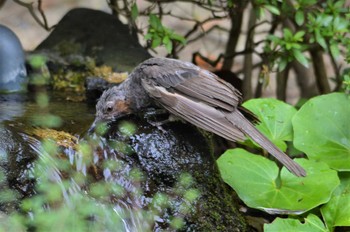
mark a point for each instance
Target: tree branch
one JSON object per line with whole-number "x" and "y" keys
{"x": 248, "y": 58}
{"x": 320, "y": 71}
{"x": 236, "y": 15}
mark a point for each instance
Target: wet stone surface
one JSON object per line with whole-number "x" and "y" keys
{"x": 17, "y": 158}
{"x": 174, "y": 161}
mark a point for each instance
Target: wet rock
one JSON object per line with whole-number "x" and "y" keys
{"x": 98, "y": 35}
{"x": 16, "y": 164}
{"x": 88, "y": 43}
{"x": 176, "y": 161}
{"x": 13, "y": 74}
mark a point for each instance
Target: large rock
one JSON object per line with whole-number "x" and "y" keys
{"x": 98, "y": 35}
{"x": 176, "y": 161}
{"x": 13, "y": 75}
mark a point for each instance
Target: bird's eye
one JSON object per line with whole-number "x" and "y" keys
{"x": 109, "y": 106}
{"x": 109, "y": 109}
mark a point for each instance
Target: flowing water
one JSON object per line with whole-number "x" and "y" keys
{"x": 23, "y": 155}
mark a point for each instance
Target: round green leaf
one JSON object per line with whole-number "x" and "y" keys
{"x": 256, "y": 181}
{"x": 275, "y": 117}
{"x": 337, "y": 211}
{"x": 312, "y": 224}
{"x": 322, "y": 130}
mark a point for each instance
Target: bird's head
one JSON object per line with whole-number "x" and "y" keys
{"x": 113, "y": 104}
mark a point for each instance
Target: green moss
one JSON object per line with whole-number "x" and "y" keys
{"x": 217, "y": 209}
{"x": 68, "y": 48}
{"x": 209, "y": 137}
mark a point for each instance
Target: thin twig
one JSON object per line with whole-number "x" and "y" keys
{"x": 42, "y": 22}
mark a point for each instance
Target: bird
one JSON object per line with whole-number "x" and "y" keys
{"x": 190, "y": 93}
{"x": 13, "y": 73}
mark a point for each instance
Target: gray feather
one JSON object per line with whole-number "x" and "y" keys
{"x": 249, "y": 129}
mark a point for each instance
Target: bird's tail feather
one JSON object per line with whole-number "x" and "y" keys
{"x": 249, "y": 129}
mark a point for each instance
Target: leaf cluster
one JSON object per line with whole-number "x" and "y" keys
{"x": 161, "y": 35}
{"x": 320, "y": 130}
{"x": 312, "y": 25}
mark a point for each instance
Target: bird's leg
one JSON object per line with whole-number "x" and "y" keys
{"x": 152, "y": 116}
{"x": 158, "y": 124}
{"x": 153, "y": 113}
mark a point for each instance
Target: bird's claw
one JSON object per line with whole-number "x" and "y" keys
{"x": 158, "y": 124}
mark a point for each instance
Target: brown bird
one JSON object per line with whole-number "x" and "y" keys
{"x": 190, "y": 93}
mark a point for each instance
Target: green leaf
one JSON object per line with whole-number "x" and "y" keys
{"x": 273, "y": 9}
{"x": 289, "y": 45}
{"x": 134, "y": 11}
{"x": 121, "y": 147}
{"x": 37, "y": 61}
{"x": 154, "y": 22}
{"x": 179, "y": 38}
{"x": 156, "y": 41}
{"x": 262, "y": 13}
{"x": 322, "y": 130}
{"x": 148, "y": 36}
{"x": 299, "y": 36}
{"x": 320, "y": 40}
{"x": 254, "y": 178}
{"x": 177, "y": 223}
{"x": 337, "y": 211}
{"x": 299, "y": 17}
{"x": 340, "y": 24}
{"x": 334, "y": 50}
{"x": 13, "y": 222}
{"x": 296, "y": 46}
{"x": 282, "y": 64}
{"x": 166, "y": 40}
{"x": 312, "y": 224}
{"x": 299, "y": 56}
{"x": 275, "y": 117}
{"x": 127, "y": 128}
{"x": 325, "y": 19}
{"x": 339, "y": 4}
{"x": 101, "y": 128}
{"x": 288, "y": 35}
{"x": 309, "y": 2}
{"x": 169, "y": 47}
{"x": 168, "y": 44}
{"x": 192, "y": 194}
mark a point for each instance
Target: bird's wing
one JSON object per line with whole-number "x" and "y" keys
{"x": 196, "y": 113}
{"x": 191, "y": 81}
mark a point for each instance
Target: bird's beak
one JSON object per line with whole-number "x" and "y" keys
{"x": 97, "y": 126}
{"x": 93, "y": 126}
